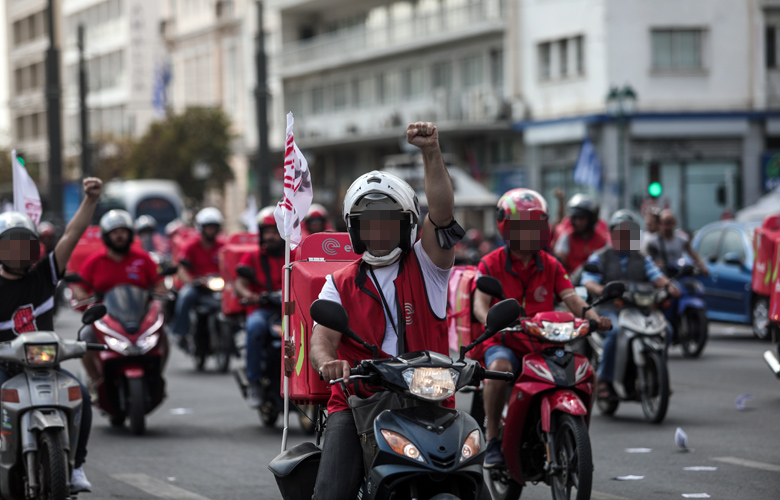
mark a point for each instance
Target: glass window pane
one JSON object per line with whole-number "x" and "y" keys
{"x": 662, "y": 49}
{"x": 317, "y": 100}
{"x": 339, "y": 96}
{"x": 687, "y": 49}
{"x": 708, "y": 246}
{"x": 544, "y": 61}
{"x": 563, "y": 58}
{"x": 580, "y": 47}
{"x": 471, "y": 69}
{"x": 497, "y": 68}
{"x": 706, "y": 180}
{"x": 441, "y": 75}
{"x": 731, "y": 243}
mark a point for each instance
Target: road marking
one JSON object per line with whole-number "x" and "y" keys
{"x": 156, "y": 487}
{"x": 748, "y": 463}
{"x": 600, "y": 495}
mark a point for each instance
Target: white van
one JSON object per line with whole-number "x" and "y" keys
{"x": 161, "y": 198}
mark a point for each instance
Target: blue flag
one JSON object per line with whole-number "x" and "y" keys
{"x": 162, "y": 76}
{"x": 587, "y": 171}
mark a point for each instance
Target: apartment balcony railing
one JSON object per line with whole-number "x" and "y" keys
{"x": 470, "y": 17}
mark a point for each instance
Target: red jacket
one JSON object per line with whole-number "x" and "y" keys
{"x": 421, "y": 330}
{"x": 580, "y": 248}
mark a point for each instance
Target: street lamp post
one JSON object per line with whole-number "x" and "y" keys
{"x": 621, "y": 103}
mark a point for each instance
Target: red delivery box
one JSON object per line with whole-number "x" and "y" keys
{"x": 320, "y": 254}
{"x": 229, "y": 256}
{"x": 765, "y": 260}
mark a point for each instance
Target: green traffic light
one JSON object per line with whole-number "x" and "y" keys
{"x": 654, "y": 189}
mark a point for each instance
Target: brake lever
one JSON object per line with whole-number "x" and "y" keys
{"x": 341, "y": 380}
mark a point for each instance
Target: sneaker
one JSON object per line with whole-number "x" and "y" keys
{"x": 493, "y": 455}
{"x": 79, "y": 482}
{"x": 254, "y": 395}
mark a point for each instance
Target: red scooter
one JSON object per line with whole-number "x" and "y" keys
{"x": 131, "y": 383}
{"x": 545, "y": 429}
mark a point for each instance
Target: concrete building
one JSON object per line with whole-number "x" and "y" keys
{"x": 123, "y": 49}
{"x": 706, "y": 77}
{"x": 27, "y": 41}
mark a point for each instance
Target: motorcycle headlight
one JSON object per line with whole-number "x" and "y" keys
{"x": 401, "y": 445}
{"x": 559, "y": 332}
{"x": 470, "y": 446}
{"x": 41, "y": 354}
{"x": 644, "y": 299}
{"x": 435, "y": 384}
{"x": 215, "y": 284}
{"x": 119, "y": 345}
{"x": 148, "y": 342}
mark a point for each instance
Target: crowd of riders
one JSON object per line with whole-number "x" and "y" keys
{"x": 406, "y": 258}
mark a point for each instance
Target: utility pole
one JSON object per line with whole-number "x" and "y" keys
{"x": 86, "y": 167}
{"x": 53, "y": 97}
{"x": 263, "y": 167}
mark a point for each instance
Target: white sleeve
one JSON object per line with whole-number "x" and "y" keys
{"x": 328, "y": 292}
{"x": 562, "y": 245}
{"x": 436, "y": 281}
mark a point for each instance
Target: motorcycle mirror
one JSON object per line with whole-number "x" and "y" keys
{"x": 333, "y": 315}
{"x": 169, "y": 271}
{"x": 613, "y": 290}
{"x": 93, "y": 314}
{"x": 591, "y": 268}
{"x": 490, "y": 286}
{"x": 249, "y": 273}
{"x": 72, "y": 278}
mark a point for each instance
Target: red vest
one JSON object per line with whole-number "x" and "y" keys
{"x": 535, "y": 295}
{"x": 580, "y": 248}
{"x": 420, "y": 330}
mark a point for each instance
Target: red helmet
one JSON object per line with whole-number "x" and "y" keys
{"x": 517, "y": 201}
{"x": 265, "y": 217}
{"x": 316, "y": 211}
{"x": 45, "y": 229}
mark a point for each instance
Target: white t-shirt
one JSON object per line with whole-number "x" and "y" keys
{"x": 436, "y": 281}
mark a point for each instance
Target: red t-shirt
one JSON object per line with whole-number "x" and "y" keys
{"x": 201, "y": 261}
{"x": 101, "y": 273}
{"x": 275, "y": 268}
{"x": 531, "y": 285}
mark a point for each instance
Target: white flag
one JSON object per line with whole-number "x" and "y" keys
{"x": 26, "y": 197}
{"x": 249, "y": 217}
{"x": 298, "y": 192}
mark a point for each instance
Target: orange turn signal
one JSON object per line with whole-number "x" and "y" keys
{"x": 9, "y": 396}
{"x": 74, "y": 393}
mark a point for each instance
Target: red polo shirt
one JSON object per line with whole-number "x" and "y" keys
{"x": 101, "y": 273}
{"x": 275, "y": 268}
{"x": 200, "y": 261}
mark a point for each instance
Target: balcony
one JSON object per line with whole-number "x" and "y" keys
{"x": 381, "y": 36}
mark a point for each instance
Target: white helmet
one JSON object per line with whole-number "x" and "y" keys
{"x": 381, "y": 191}
{"x": 208, "y": 216}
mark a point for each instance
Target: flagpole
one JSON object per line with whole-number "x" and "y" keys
{"x": 286, "y": 328}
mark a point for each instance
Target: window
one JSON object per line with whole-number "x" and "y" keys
{"x": 497, "y": 68}
{"x": 579, "y": 50}
{"x": 441, "y": 75}
{"x": 317, "y": 100}
{"x": 731, "y": 244}
{"x": 413, "y": 82}
{"x": 708, "y": 246}
{"x": 361, "y": 89}
{"x": 339, "y": 96}
{"x": 770, "y": 41}
{"x": 471, "y": 71}
{"x": 544, "y": 61}
{"x": 563, "y": 58}
{"x": 678, "y": 49}
{"x": 388, "y": 87}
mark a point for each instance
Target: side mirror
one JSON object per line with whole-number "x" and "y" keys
{"x": 733, "y": 259}
{"x": 502, "y": 315}
{"x": 328, "y": 313}
{"x": 591, "y": 267}
{"x": 93, "y": 314}
{"x": 490, "y": 286}
{"x": 169, "y": 271}
{"x": 73, "y": 278}
{"x": 613, "y": 290}
{"x": 249, "y": 273}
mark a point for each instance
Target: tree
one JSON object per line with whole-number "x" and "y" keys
{"x": 171, "y": 148}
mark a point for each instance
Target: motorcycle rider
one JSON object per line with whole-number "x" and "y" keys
{"x": 316, "y": 220}
{"x": 580, "y": 239}
{"x": 531, "y": 276}
{"x": 198, "y": 258}
{"x": 118, "y": 264}
{"x": 620, "y": 261}
{"x": 267, "y": 263}
{"x": 151, "y": 241}
{"x": 666, "y": 247}
{"x": 396, "y": 274}
{"x": 652, "y": 224}
{"x": 28, "y": 293}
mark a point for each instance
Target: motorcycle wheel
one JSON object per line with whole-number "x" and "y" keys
{"x": 117, "y": 420}
{"x": 760, "y": 318}
{"x": 655, "y": 394}
{"x": 573, "y": 453}
{"x": 224, "y": 348}
{"x": 269, "y": 414}
{"x": 137, "y": 405}
{"x": 52, "y": 467}
{"x": 695, "y": 336}
{"x": 500, "y": 485}
{"x": 607, "y": 406}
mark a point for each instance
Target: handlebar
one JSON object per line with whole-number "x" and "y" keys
{"x": 505, "y": 376}
{"x": 92, "y": 346}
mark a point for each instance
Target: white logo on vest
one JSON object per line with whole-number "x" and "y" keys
{"x": 409, "y": 310}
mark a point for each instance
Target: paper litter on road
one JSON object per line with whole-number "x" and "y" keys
{"x": 741, "y": 400}
{"x": 638, "y": 450}
{"x": 181, "y": 411}
{"x": 681, "y": 440}
{"x": 695, "y": 495}
{"x": 171, "y": 479}
{"x": 700, "y": 467}
{"x": 629, "y": 478}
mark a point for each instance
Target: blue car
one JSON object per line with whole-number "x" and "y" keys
{"x": 727, "y": 247}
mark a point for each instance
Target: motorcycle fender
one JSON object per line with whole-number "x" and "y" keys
{"x": 624, "y": 342}
{"x": 566, "y": 401}
{"x": 638, "y": 350}
{"x": 36, "y": 421}
{"x": 133, "y": 371}
{"x": 690, "y": 303}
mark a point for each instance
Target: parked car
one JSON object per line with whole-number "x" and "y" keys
{"x": 727, "y": 247}
{"x": 161, "y": 198}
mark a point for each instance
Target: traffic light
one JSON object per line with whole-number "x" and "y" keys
{"x": 654, "y": 187}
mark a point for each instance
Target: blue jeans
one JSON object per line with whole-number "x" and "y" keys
{"x": 607, "y": 365}
{"x": 187, "y": 299}
{"x": 258, "y": 343}
{"x": 86, "y": 415}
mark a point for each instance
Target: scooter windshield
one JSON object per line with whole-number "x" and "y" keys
{"x": 127, "y": 304}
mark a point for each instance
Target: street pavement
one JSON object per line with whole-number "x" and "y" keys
{"x": 204, "y": 443}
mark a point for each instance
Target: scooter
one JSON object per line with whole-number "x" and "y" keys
{"x": 131, "y": 383}
{"x": 41, "y": 414}
{"x": 545, "y": 430}
{"x": 272, "y": 403}
{"x": 415, "y": 448}
{"x": 209, "y": 337}
{"x": 641, "y": 372}
{"x": 688, "y": 314}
